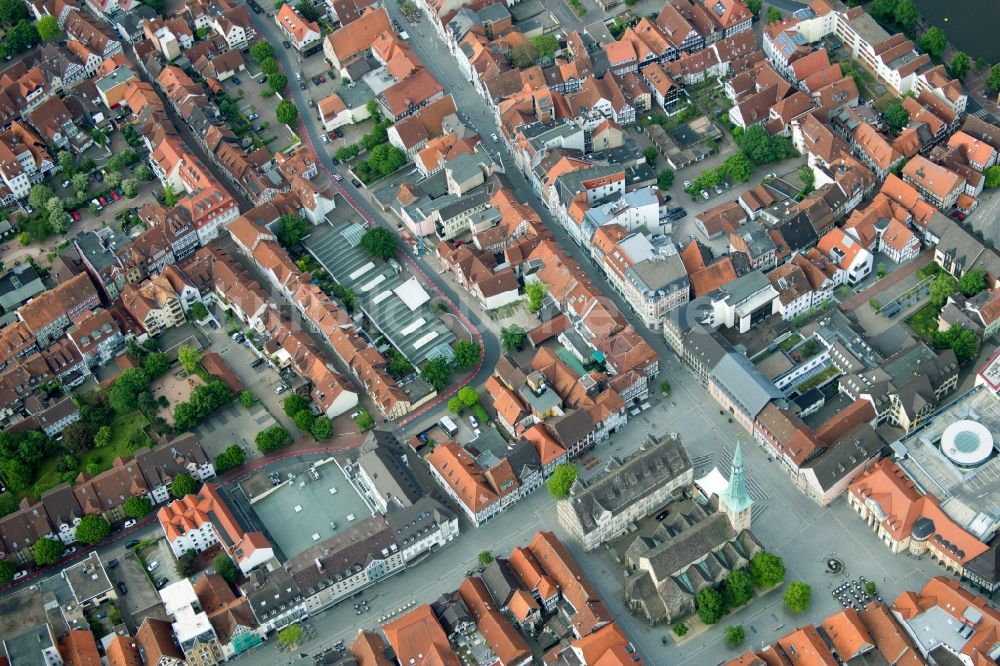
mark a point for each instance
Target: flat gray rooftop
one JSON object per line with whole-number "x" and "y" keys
{"x": 395, "y": 302}
{"x": 320, "y": 509}
{"x": 964, "y": 493}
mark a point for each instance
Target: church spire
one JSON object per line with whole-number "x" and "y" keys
{"x": 735, "y": 500}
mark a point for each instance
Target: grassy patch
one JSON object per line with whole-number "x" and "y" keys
{"x": 816, "y": 380}
{"x": 924, "y": 321}
{"x": 121, "y": 428}
{"x": 790, "y": 341}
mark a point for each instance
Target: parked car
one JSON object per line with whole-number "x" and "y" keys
{"x": 315, "y": 80}
{"x": 678, "y": 214}
{"x": 112, "y": 564}
{"x": 252, "y": 117}
{"x": 705, "y": 195}
{"x": 333, "y": 77}
{"x": 325, "y": 138}
{"x": 162, "y": 583}
{"x": 115, "y": 195}
{"x": 236, "y": 80}
{"x": 67, "y": 183}
{"x": 130, "y": 523}
{"x": 335, "y": 161}
{"x": 321, "y": 79}
{"x": 338, "y": 133}
{"x": 718, "y": 190}
{"x": 302, "y": 85}
{"x": 355, "y": 182}
{"x": 473, "y": 421}
{"x": 132, "y": 544}
{"x": 298, "y": 76}
{"x": 122, "y": 587}
{"x": 667, "y": 197}
{"x": 687, "y": 184}
{"x": 285, "y": 43}
{"x": 256, "y": 363}
{"x": 337, "y": 177}
{"x": 20, "y": 574}
{"x": 152, "y": 566}
{"x": 958, "y": 215}
{"x": 75, "y": 214}
{"x": 494, "y": 137}
{"x": 281, "y": 389}
{"x": 98, "y": 176}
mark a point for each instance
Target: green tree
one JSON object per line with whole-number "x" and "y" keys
{"x": 535, "y": 292}
{"x": 142, "y": 172}
{"x": 169, "y": 196}
{"x": 294, "y": 404}
{"x": 651, "y": 153}
{"x": 303, "y": 420}
{"x": 766, "y": 570}
{"x": 798, "y": 596}
{"x": 896, "y": 117}
{"x": 290, "y": 636}
{"x": 562, "y": 480}
{"x": 233, "y": 456}
{"x": 183, "y": 485}
{"x": 738, "y": 589}
{"x": 47, "y": 551}
{"x": 156, "y": 364}
{"x": 272, "y": 439}
{"x": 80, "y": 182}
{"x": 972, "y": 282}
{"x": 709, "y": 604}
{"x": 197, "y": 311}
{"x": 286, "y": 112}
{"x": 871, "y": 589}
{"x": 137, "y": 507}
{"x": 735, "y": 635}
{"x": 225, "y": 567}
{"x": 466, "y": 354}
{"x": 754, "y": 6}
{"x": 39, "y": 195}
{"x": 247, "y": 398}
{"x": 468, "y": 396}
{"x": 16, "y": 474}
{"x": 78, "y": 437}
{"x": 277, "y": 82}
{"x": 92, "y": 529}
{"x": 934, "y": 42}
{"x": 6, "y": 571}
{"x": 680, "y": 628}
{"x": 122, "y": 395}
{"x": 372, "y": 107}
{"x": 512, "y": 337}
{"x": 523, "y": 56}
{"x": 485, "y": 558}
{"x": 130, "y": 188}
{"x": 992, "y": 177}
{"x": 943, "y": 286}
{"x": 906, "y": 15}
{"x": 738, "y": 167}
{"x": 379, "y": 242}
{"x": 665, "y": 387}
{"x": 960, "y": 65}
{"x": 883, "y": 10}
{"x": 59, "y": 221}
{"x": 103, "y": 436}
{"x": 455, "y": 405}
{"x": 665, "y": 180}
{"x": 12, "y": 11}
{"x": 808, "y": 179}
{"x": 261, "y": 51}
{"x": 189, "y": 357}
{"x": 773, "y": 14}
{"x": 269, "y": 67}
{"x": 993, "y": 78}
{"x": 347, "y": 153}
{"x": 386, "y": 158}
{"x": 960, "y": 340}
{"x": 436, "y": 372}
{"x": 21, "y": 37}
{"x": 48, "y": 28}
{"x": 545, "y": 45}
{"x": 291, "y": 229}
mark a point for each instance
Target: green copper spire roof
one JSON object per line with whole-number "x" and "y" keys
{"x": 735, "y": 496}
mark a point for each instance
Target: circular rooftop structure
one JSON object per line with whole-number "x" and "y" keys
{"x": 967, "y": 443}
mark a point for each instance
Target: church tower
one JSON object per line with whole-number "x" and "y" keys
{"x": 735, "y": 501}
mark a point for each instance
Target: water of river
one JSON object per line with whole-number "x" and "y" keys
{"x": 972, "y": 26}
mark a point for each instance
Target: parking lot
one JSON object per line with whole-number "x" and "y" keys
{"x": 141, "y": 599}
